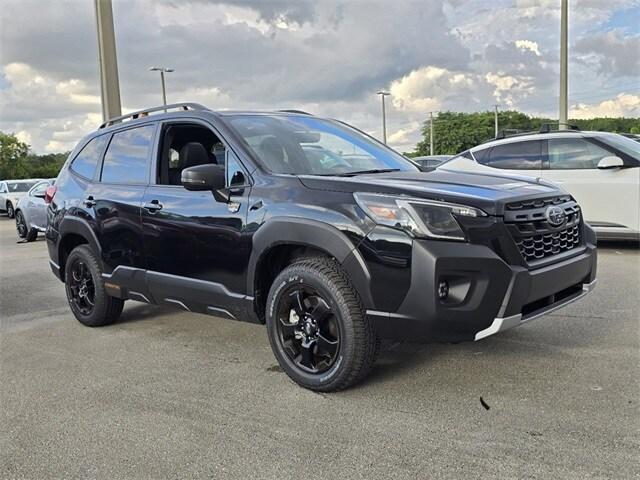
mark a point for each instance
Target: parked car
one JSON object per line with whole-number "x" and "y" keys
{"x": 31, "y": 211}
{"x": 11, "y": 191}
{"x": 431, "y": 161}
{"x": 600, "y": 170}
{"x": 329, "y": 255}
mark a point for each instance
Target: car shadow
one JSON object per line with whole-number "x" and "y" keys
{"x": 138, "y": 312}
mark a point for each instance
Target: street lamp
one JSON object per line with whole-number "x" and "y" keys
{"x": 162, "y": 71}
{"x": 383, "y": 94}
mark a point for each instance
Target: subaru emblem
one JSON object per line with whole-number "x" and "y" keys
{"x": 555, "y": 216}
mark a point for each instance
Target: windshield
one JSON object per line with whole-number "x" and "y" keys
{"x": 626, "y": 145}
{"x": 20, "y": 186}
{"x": 305, "y": 145}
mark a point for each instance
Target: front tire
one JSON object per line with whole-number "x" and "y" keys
{"x": 21, "y": 225}
{"x": 86, "y": 293}
{"x": 317, "y": 326}
{"x": 10, "y": 210}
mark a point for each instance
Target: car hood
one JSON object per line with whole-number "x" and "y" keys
{"x": 15, "y": 196}
{"x": 489, "y": 192}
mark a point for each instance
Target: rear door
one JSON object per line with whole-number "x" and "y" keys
{"x": 115, "y": 200}
{"x": 608, "y": 198}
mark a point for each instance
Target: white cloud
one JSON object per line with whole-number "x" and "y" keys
{"x": 423, "y": 90}
{"x": 403, "y": 136}
{"x": 528, "y": 45}
{"x": 623, "y": 105}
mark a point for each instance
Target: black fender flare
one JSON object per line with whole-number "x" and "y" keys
{"x": 79, "y": 226}
{"x": 314, "y": 234}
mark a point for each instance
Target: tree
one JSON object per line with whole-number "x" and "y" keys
{"x": 12, "y": 155}
{"x": 455, "y": 132}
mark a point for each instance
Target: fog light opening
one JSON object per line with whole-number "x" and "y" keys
{"x": 443, "y": 289}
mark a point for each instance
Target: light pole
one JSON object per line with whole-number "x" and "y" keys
{"x": 162, "y": 71}
{"x": 430, "y": 133}
{"x": 109, "y": 84}
{"x": 383, "y": 94}
{"x": 496, "y": 120}
{"x": 564, "y": 64}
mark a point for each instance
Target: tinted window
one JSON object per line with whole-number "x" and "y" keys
{"x": 574, "y": 154}
{"x": 482, "y": 156}
{"x": 516, "y": 156}
{"x": 128, "y": 155}
{"x": 20, "y": 187}
{"x": 87, "y": 160}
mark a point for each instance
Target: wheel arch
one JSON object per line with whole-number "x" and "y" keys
{"x": 73, "y": 232}
{"x": 281, "y": 241}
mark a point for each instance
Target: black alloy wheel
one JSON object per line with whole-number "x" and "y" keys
{"x": 81, "y": 287}
{"x": 86, "y": 292}
{"x": 308, "y": 331}
{"x": 21, "y": 225}
{"x": 10, "y": 210}
{"x": 317, "y": 326}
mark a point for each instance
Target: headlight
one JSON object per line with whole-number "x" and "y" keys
{"x": 419, "y": 218}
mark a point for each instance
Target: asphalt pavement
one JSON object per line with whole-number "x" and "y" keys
{"x": 167, "y": 394}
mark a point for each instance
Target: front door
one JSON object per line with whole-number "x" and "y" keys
{"x": 608, "y": 198}
{"x": 196, "y": 248}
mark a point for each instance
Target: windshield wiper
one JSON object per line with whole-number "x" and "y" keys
{"x": 362, "y": 172}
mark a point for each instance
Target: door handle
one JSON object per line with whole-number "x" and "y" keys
{"x": 89, "y": 202}
{"x": 152, "y": 206}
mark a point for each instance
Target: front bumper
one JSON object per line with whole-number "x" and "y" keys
{"x": 486, "y": 294}
{"x": 500, "y": 324}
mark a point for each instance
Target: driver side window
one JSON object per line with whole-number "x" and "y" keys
{"x": 39, "y": 189}
{"x": 185, "y": 145}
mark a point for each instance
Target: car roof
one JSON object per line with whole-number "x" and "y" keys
{"x": 538, "y": 136}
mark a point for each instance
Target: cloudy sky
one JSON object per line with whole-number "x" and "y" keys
{"x": 328, "y": 57}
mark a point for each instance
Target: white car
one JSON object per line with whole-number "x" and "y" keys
{"x": 600, "y": 170}
{"x": 11, "y": 191}
{"x": 31, "y": 211}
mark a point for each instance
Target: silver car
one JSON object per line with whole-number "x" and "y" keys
{"x": 31, "y": 211}
{"x": 11, "y": 191}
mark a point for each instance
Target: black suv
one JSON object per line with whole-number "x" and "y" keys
{"x": 312, "y": 227}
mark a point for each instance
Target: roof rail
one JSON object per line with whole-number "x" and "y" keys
{"x": 295, "y": 111}
{"x": 509, "y": 132}
{"x": 546, "y": 127}
{"x": 143, "y": 113}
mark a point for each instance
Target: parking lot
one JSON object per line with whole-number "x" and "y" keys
{"x": 166, "y": 394}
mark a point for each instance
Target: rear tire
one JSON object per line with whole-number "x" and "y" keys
{"x": 86, "y": 293}
{"x": 10, "y": 210}
{"x": 317, "y": 326}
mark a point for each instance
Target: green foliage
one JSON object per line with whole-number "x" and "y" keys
{"x": 455, "y": 132}
{"x": 45, "y": 166}
{"x": 16, "y": 161}
{"x": 12, "y": 154}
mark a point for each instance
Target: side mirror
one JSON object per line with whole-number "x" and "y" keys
{"x": 610, "y": 162}
{"x": 206, "y": 177}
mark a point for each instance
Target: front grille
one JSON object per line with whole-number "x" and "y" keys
{"x": 535, "y": 238}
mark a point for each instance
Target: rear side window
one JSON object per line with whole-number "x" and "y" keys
{"x": 517, "y": 156}
{"x": 128, "y": 155}
{"x": 87, "y": 160}
{"x": 482, "y": 156}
